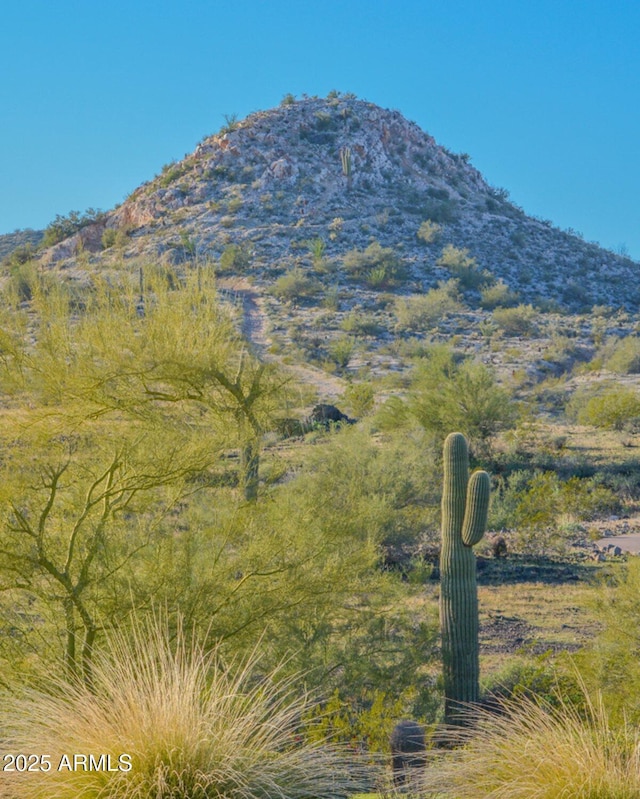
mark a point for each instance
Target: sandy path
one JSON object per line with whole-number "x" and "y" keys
{"x": 627, "y": 543}
{"x": 254, "y": 327}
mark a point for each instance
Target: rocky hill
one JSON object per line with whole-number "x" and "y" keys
{"x": 323, "y": 177}
{"x": 26, "y": 238}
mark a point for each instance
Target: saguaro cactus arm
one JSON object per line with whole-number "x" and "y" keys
{"x": 475, "y": 517}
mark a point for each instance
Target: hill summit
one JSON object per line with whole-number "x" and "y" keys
{"x": 341, "y": 174}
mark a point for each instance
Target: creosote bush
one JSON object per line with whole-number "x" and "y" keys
{"x": 613, "y": 407}
{"x": 519, "y": 321}
{"x": 192, "y": 726}
{"x": 377, "y": 266}
{"x": 498, "y": 295}
{"x": 422, "y": 311}
{"x": 464, "y": 267}
{"x": 622, "y": 356}
{"x": 294, "y": 286}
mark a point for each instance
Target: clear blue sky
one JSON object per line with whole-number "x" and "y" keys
{"x": 544, "y": 96}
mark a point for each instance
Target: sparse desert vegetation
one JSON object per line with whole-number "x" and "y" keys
{"x": 169, "y": 447}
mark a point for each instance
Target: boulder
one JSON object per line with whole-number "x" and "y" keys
{"x": 408, "y": 750}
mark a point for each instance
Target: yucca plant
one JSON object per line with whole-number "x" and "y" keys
{"x": 190, "y": 727}
{"x": 535, "y": 751}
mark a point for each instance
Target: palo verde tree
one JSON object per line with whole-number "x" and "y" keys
{"x": 173, "y": 346}
{"x": 76, "y": 512}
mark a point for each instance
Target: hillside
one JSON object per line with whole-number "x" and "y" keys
{"x": 346, "y": 173}
{"x": 9, "y": 242}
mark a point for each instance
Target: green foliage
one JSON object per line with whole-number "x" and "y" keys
{"x": 288, "y": 99}
{"x": 342, "y": 350}
{"x": 463, "y": 267}
{"x": 465, "y": 503}
{"x": 235, "y": 258}
{"x": 365, "y": 724}
{"x": 347, "y": 164}
{"x": 331, "y": 298}
{"x": 172, "y": 172}
{"x": 191, "y": 725}
{"x": 317, "y": 248}
{"x": 109, "y": 237}
{"x": 382, "y": 492}
{"x": 622, "y": 356}
{"x": 519, "y": 321}
{"x": 19, "y": 256}
{"x": 611, "y": 665}
{"x": 542, "y": 679}
{"x": 423, "y": 311}
{"x": 231, "y": 123}
{"x": 188, "y": 244}
{"x": 294, "y": 286}
{"x": 379, "y": 266}
{"x": 541, "y": 508}
{"x": 360, "y": 324}
{"x": 360, "y": 398}
{"x": 64, "y": 226}
{"x": 614, "y": 407}
{"x": 24, "y": 279}
{"x": 498, "y": 295}
{"x": 446, "y": 394}
{"x": 429, "y": 231}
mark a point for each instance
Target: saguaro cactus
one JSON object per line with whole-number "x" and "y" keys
{"x": 345, "y": 158}
{"x": 465, "y": 503}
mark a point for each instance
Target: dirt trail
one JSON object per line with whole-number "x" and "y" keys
{"x": 254, "y": 326}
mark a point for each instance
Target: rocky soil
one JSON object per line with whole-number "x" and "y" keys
{"x": 346, "y": 172}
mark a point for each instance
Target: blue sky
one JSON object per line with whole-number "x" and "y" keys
{"x": 544, "y": 96}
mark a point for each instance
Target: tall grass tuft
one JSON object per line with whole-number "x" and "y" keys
{"x": 534, "y": 751}
{"x": 193, "y": 729}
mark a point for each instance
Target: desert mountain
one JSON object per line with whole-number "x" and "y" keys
{"x": 345, "y": 173}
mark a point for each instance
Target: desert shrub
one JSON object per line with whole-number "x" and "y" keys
{"x": 359, "y": 397}
{"x": 614, "y": 407}
{"x": 341, "y": 351}
{"x": 541, "y": 508}
{"x": 422, "y": 311}
{"x": 366, "y": 722}
{"x": 622, "y": 356}
{"x": 64, "y": 226}
{"x": 447, "y": 394}
{"x": 499, "y": 295}
{"x": 379, "y": 266}
{"x": 331, "y": 298}
{"x": 235, "y": 258}
{"x": 109, "y": 237}
{"x": 193, "y": 728}
{"x": 534, "y": 751}
{"x": 611, "y": 664}
{"x": 19, "y": 256}
{"x": 429, "y": 231}
{"x": 564, "y": 352}
{"x": 541, "y": 678}
{"x": 360, "y": 324}
{"x": 519, "y": 321}
{"x": 24, "y": 279}
{"x": 294, "y": 286}
{"x": 463, "y": 267}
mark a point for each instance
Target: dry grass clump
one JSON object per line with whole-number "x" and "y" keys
{"x": 193, "y": 730}
{"x": 534, "y": 751}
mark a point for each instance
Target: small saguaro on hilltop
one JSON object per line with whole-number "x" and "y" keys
{"x": 465, "y": 504}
